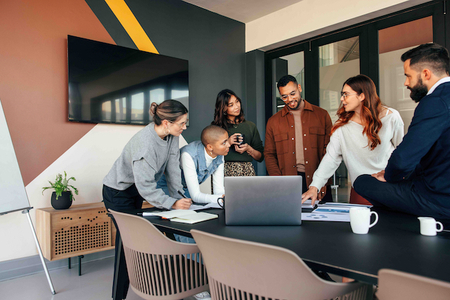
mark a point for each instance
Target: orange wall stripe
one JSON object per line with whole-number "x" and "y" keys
{"x": 131, "y": 25}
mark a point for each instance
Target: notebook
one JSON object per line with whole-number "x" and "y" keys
{"x": 263, "y": 200}
{"x": 182, "y": 216}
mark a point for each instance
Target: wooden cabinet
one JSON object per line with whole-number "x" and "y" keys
{"x": 79, "y": 230}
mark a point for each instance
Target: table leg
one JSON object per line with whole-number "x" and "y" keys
{"x": 79, "y": 264}
{"x": 116, "y": 273}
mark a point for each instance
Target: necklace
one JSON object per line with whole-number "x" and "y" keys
{"x": 233, "y": 123}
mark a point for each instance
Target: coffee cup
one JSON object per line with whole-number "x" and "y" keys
{"x": 428, "y": 226}
{"x": 241, "y": 142}
{"x": 360, "y": 219}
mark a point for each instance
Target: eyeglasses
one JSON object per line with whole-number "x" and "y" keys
{"x": 285, "y": 98}
{"x": 345, "y": 95}
{"x": 181, "y": 125}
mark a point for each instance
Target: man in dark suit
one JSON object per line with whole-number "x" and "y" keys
{"x": 417, "y": 177}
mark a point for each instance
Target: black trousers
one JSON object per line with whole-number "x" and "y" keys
{"x": 401, "y": 196}
{"x": 328, "y": 197}
{"x": 120, "y": 201}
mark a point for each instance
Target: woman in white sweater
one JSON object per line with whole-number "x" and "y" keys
{"x": 364, "y": 136}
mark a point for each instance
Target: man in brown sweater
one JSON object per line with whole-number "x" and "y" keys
{"x": 296, "y": 136}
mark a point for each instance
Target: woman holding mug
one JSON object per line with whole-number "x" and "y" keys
{"x": 245, "y": 141}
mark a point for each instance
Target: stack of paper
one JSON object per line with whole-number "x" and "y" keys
{"x": 331, "y": 211}
{"x": 308, "y": 204}
{"x": 183, "y": 216}
{"x": 195, "y": 206}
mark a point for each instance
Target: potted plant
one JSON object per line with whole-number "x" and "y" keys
{"x": 62, "y": 196}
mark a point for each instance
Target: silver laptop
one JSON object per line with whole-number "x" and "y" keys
{"x": 263, "y": 200}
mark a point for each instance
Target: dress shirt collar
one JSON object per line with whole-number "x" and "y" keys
{"x": 441, "y": 81}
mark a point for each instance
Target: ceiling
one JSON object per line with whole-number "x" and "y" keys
{"x": 243, "y": 10}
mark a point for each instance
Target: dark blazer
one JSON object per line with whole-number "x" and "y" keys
{"x": 424, "y": 154}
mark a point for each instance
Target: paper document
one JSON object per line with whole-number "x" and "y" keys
{"x": 182, "y": 215}
{"x": 331, "y": 211}
{"x": 195, "y": 218}
{"x": 207, "y": 206}
{"x": 168, "y": 214}
{"x": 345, "y": 204}
{"x": 337, "y": 207}
{"x": 307, "y": 204}
{"x": 330, "y": 217}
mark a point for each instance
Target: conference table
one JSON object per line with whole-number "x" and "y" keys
{"x": 394, "y": 242}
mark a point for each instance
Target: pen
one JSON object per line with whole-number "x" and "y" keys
{"x": 148, "y": 216}
{"x": 184, "y": 196}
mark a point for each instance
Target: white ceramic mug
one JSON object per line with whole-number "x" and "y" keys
{"x": 428, "y": 226}
{"x": 360, "y": 219}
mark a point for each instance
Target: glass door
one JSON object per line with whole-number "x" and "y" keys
{"x": 393, "y": 42}
{"x": 293, "y": 64}
{"x": 337, "y": 62}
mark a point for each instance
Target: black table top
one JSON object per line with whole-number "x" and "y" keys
{"x": 394, "y": 242}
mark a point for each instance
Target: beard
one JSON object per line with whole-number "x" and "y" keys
{"x": 298, "y": 104}
{"x": 418, "y": 91}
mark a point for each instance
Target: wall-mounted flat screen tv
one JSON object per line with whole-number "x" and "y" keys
{"x": 114, "y": 84}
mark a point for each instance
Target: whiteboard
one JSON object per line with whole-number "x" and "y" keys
{"x": 13, "y": 196}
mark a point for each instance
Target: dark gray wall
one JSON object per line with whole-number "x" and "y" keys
{"x": 213, "y": 44}
{"x": 255, "y": 108}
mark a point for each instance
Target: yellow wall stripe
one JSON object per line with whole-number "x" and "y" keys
{"x": 131, "y": 25}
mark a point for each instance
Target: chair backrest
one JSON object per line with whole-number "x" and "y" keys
{"x": 398, "y": 285}
{"x": 239, "y": 268}
{"x": 158, "y": 267}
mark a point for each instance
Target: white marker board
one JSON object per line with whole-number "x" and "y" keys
{"x": 13, "y": 196}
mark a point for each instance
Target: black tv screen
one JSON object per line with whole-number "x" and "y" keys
{"x": 114, "y": 84}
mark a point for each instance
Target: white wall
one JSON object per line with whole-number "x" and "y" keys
{"x": 309, "y": 18}
{"x": 88, "y": 161}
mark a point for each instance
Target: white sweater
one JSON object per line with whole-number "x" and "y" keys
{"x": 349, "y": 144}
{"x": 190, "y": 176}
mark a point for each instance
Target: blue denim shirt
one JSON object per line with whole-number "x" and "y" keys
{"x": 197, "y": 151}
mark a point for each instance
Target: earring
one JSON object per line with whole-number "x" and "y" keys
{"x": 210, "y": 152}
{"x": 224, "y": 113}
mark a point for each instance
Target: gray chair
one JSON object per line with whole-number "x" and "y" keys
{"x": 158, "y": 267}
{"x": 240, "y": 269}
{"x": 404, "y": 286}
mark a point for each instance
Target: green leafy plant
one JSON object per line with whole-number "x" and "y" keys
{"x": 62, "y": 185}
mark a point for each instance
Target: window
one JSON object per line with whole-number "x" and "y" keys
{"x": 337, "y": 62}
{"x": 393, "y": 42}
{"x": 372, "y": 48}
